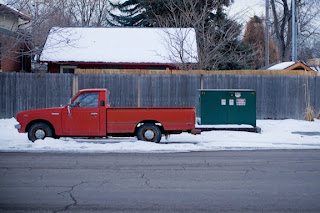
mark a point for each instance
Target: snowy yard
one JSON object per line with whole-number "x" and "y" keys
{"x": 275, "y": 134}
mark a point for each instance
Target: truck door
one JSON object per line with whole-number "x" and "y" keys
{"x": 82, "y": 117}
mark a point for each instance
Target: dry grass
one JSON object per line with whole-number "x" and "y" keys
{"x": 309, "y": 114}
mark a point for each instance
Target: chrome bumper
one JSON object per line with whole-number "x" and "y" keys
{"x": 17, "y": 126}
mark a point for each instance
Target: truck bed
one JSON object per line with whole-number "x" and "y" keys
{"x": 125, "y": 120}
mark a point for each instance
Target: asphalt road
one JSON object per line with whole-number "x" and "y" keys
{"x": 228, "y": 181}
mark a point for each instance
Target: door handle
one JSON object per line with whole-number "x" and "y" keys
{"x": 94, "y": 113}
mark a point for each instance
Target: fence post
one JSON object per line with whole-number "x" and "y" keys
{"x": 75, "y": 84}
{"x": 201, "y": 81}
{"x": 139, "y": 92}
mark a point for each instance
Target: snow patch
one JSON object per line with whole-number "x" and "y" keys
{"x": 275, "y": 134}
{"x": 282, "y": 66}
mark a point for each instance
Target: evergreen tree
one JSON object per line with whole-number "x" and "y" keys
{"x": 136, "y": 13}
{"x": 132, "y": 13}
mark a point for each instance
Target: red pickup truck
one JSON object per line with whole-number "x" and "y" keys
{"x": 89, "y": 115}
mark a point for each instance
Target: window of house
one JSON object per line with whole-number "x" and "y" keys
{"x": 68, "y": 69}
{"x": 23, "y": 62}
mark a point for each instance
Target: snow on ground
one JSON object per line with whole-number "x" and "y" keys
{"x": 275, "y": 134}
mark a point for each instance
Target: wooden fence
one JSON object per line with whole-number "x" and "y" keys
{"x": 278, "y": 97}
{"x": 198, "y": 72}
{"x": 20, "y": 92}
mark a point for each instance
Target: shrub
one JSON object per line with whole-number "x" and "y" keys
{"x": 309, "y": 114}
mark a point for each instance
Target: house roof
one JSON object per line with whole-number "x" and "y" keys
{"x": 121, "y": 45}
{"x": 315, "y": 68}
{"x": 290, "y": 65}
{"x": 14, "y": 11}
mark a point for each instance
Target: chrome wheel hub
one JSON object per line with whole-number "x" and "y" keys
{"x": 149, "y": 134}
{"x": 40, "y": 134}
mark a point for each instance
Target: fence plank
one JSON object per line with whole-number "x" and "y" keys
{"x": 169, "y": 90}
{"x": 123, "y": 88}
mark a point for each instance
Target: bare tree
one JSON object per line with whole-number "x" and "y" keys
{"x": 14, "y": 39}
{"x": 89, "y": 12}
{"x": 181, "y": 45}
{"x": 47, "y": 14}
{"x": 309, "y": 29}
{"x": 282, "y": 28}
{"x": 216, "y": 37}
{"x": 308, "y": 12}
{"x": 44, "y": 14}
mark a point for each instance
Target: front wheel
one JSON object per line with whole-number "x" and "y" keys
{"x": 39, "y": 131}
{"x": 149, "y": 132}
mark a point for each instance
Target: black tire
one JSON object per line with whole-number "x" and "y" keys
{"x": 39, "y": 131}
{"x": 149, "y": 132}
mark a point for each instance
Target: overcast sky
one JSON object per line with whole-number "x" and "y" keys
{"x": 244, "y": 9}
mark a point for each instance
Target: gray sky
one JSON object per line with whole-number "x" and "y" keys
{"x": 244, "y": 9}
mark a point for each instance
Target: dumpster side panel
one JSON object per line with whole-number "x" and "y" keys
{"x": 213, "y": 107}
{"x": 228, "y": 107}
{"x": 243, "y": 111}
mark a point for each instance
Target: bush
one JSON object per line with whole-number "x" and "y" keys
{"x": 309, "y": 114}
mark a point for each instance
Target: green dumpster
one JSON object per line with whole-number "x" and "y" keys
{"x": 228, "y": 106}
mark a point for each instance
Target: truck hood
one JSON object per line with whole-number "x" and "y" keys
{"x": 39, "y": 113}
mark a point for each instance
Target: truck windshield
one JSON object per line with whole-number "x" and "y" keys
{"x": 87, "y": 100}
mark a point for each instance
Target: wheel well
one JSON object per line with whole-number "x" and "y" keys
{"x": 41, "y": 121}
{"x": 149, "y": 121}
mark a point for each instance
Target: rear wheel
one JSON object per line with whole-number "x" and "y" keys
{"x": 149, "y": 132}
{"x": 39, "y": 131}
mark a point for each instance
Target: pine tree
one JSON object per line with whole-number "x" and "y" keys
{"x": 132, "y": 13}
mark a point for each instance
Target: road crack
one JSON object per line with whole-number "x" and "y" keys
{"x": 253, "y": 169}
{"x": 7, "y": 169}
{"x": 105, "y": 182}
{"x": 147, "y": 182}
{"x": 69, "y": 192}
{"x": 207, "y": 163}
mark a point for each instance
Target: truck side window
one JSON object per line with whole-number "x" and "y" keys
{"x": 87, "y": 100}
